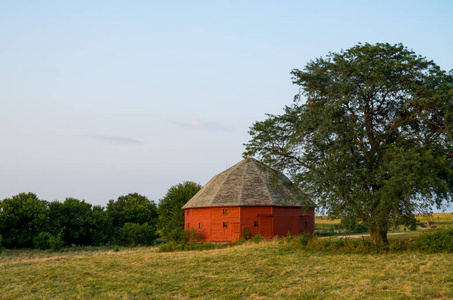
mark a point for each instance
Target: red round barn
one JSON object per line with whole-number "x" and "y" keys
{"x": 248, "y": 195}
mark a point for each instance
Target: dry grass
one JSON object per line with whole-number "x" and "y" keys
{"x": 259, "y": 271}
{"x": 433, "y": 217}
{"x": 421, "y": 217}
{"x": 326, "y": 220}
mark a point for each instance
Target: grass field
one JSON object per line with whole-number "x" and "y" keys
{"x": 259, "y": 271}
{"x": 326, "y": 226}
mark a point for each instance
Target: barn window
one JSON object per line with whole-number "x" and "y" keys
{"x": 255, "y": 223}
{"x": 225, "y": 224}
{"x": 225, "y": 211}
{"x": 187, "y": 213}
{"x": 200, "y": 225}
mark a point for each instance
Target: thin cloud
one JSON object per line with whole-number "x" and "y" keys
{"x": 201, "y": 124}
{"x": 116, "y": 139}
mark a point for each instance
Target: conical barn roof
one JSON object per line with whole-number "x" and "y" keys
{"x": 249, "y": 182}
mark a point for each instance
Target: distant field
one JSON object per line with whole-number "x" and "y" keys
{"x": 421, "y": 217}
{"x": 259, "y": 271}
{"x": 442, "y": 217}
{"x": 324, "y": 225}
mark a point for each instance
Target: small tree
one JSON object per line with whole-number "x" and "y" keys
{"x": 374, "y": 139}
{"x": 131, "y": 208}
{"x": 170, "y": 224}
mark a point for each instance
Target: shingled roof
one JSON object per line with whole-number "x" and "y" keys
{"x": 248, "y": 182}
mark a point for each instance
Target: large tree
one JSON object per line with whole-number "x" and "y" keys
{"x": 369, "y": 136}
{"x": 22, "y": 217}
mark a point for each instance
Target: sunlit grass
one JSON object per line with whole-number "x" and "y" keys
{"x": 434, "y": 217}
{"x": 266, "y": 270}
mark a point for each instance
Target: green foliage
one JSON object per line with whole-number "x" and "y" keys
{"x": 79, "y": 221}
{"x": 133, "y": 234}
{"x": 27, "y": 221}
{"x": 352, "y": 225}
{"x": 56, "y": 242}
{"x": 408, "y": 221}
{"x": 304, "y": 239}
{"x": 193, "y": 235}
{"x": 438, "y": 241}
{"x": 246, "y": 234}
{"x": 288, "y": 237}
{"x": 188, "y": 246}
{"x": 257, "y": 238}
{"x": 41, "y": 241}
{"x": 131, "y": 208}
{"x": 372, "y": 141}
{"x": 22, "y": 217}
{"x": 347, "y": 245}
{"x": 171, "y": 217}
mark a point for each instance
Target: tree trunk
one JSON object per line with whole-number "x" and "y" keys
{"x": 378, "y": 235}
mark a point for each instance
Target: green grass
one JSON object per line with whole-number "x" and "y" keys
{"x": 267, "y": 270}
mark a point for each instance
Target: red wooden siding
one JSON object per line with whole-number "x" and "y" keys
{"x": 272, "y": 221}
{"x": 249, "y": 214}
{"x": 218, "y": 232}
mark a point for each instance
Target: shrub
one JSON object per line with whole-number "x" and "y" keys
{"x": 177, "y": 235}
{"x": 159, "y": 242}
{"x": 133, "y": 234}
{"x": 438, "y": 241}
{"x": 246, "y": 234}
{"x": 56, "y": 242}
{"x": 304, "y": 239}
{"x": 168, "y": 247}
{"x": 289, "y": 237}
{"x": 188, "y": 246}
{"x": 399, "y": 245}
{"x": 41, "y": 241}
{"x": 257, "y": 238}
{"x": 193, "y": 235}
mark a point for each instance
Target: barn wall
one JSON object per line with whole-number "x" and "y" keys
{"x": 272, "y": 221}
{"x": 249, "y": 214}
{"x": 286, "y": 219}
{"x": 232, "y": 218}
{"x": 195, "y": 216}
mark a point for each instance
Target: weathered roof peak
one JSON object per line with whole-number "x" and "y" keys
{"x": 249, "y": 182}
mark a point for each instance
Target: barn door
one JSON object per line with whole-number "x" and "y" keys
{"x": 235, "y": 232}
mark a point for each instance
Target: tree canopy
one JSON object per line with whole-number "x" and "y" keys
{"x": 171, "y": 216}
{"x": 133, "y": 218}
{"x": 369, "y": 137}
{"x": 21, "y": 218}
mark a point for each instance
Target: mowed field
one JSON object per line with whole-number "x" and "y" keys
{"x": 268, "y": 270}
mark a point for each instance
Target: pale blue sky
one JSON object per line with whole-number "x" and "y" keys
{"x": 102, "y": 98}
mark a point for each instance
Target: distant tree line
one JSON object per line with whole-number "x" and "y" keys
{"x": 27, "y": 221}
